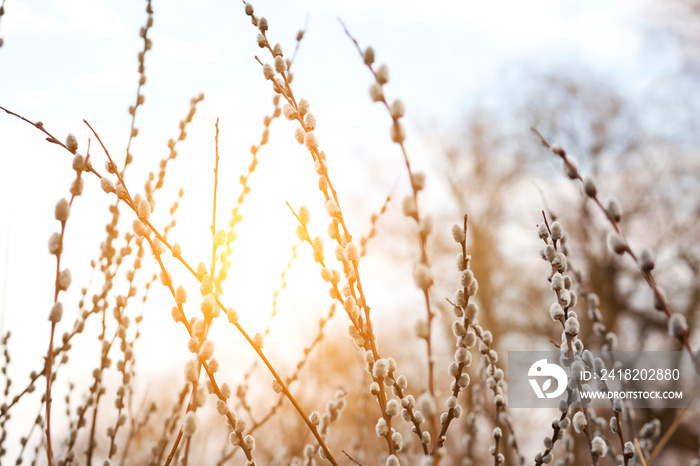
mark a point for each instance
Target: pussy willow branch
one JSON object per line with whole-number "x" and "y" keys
{"x": 50, "y": 354}
{"x": 142, "y": 81}
{"x": 451, "y": 412}
{"x": 647, "y": 274}
{"x": 421, "y": 237}
{"x": 315, "y": 153}
{"x": 329, "y": 192}
{"x": 499, "y": 408}
{"x": 571, "y": 351}
{"x": 584, "y": 294}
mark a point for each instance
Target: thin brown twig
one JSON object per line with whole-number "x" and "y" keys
{"x": 351, "y": 458}
{"x": 213, "y": 214}
{"x": 421, "y": 237}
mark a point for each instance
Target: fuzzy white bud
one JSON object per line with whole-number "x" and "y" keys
{"x": 572, "y": 326}
{"x": 398, "y": 109}
{"x": 598, "y": 446}
{"x": 249, "y": 442}
{"x": 191, "y": 369}
{"x": 458, "y": 233}
{"x": 463, "y": 356}
{"x": 311, "y": 141}
{"x": 62, "y": 210}
{"x": 315, "y": 418}
{"x": 580, "y": 422}
{"x": 677, "y": 326}
{"x": 189, "y": 426}
{"x": 392, "y": 408}
{"x": 392, "y": 460}
{"x": 422, "y": 277}
{"x": 381, "y": 429}
{"x": 240, "y": 425}
{"x": 375, "y": 92}
{"x": 56, "y": 312}
{"x": 557, "y": 231}
{"x": 557, "y": 282}
{"x": 280, "y": 64}
{"x": 556, "y": 311}
{"x": 614, "y": 209}
{"x": 616, "y": 244}
{"x": 647, "y": 261}
{"x": 589, "y": 187}
{"x": 397, "y": 132}
{"x": 222, "y": 408}
{"x": 380, "y": 368}
{"x": 382, "y": 74}
{"x": 289, "y": 112}
{"x": 557, "y": 149}
{"x": 352, "y": 252}
{"x": 310, "y": 122}
{"x": 570, "y": 168}
{"x": 473, "y": 288}
{"x": 368, "y": 56}
{"x": 55, "y": 243}
{"x": 409, "y": 206}
{"x": 206, "y": 351}
{"x": 418, "y": 180}
{"x": 332, "y": 208}
{"x": 71, "y": 143}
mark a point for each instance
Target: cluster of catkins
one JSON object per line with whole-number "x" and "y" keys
{"x": 468, "y": 331}
{"x": 573, "y": 354}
